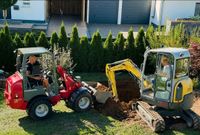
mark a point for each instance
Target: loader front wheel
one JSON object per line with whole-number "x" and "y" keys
{"x": 80, "y": 100}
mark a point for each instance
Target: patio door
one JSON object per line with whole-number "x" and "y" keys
{"x": 66, "y": 7}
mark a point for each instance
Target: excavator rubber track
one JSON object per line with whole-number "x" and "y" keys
{"x": 151, "y": 117}
{"x": 195, "y": 119}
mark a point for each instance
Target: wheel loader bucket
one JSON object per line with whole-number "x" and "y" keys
{"x": 100, "y": 96}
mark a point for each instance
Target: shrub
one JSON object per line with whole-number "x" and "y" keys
{"x": 18, "y": 42}
{"x": 63, "y": 40}
{"x": 54, "y": 41}
{"x": 75, "y": 44}
{"x": 130, "y": 45}
{"x": 29, "y": 40}
{"x": 96, "y": 53}
{"x": 83, "y": 65}
{"x": 140, "y": 46}
{"x": 119, "y": 47}
{"x": 42, "y": 40}
{"x": 6, "y": 50}
{"x": 151, "y": 38}
{"x": 108, "y": 49}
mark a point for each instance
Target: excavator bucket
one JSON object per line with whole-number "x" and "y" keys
{"x": 100, "y": 96}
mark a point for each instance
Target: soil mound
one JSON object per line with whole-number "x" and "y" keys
{"x": 120, "y": 109}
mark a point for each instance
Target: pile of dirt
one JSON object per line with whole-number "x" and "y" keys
{"x": 120, "y": 109}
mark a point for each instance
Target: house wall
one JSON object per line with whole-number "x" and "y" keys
{"x": 33, "y": 10}
{"x": 167, "y": 9}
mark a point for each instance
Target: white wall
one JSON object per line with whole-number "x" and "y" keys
{"x": 35, "y": 10}
{"x": 172, "y": 10}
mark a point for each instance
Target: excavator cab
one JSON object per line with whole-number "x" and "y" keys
{"x": 166, "y": 71}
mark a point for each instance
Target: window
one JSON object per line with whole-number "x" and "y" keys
{"x": 150, "y": 67}
{"x": 182, "y": 67}
{"x": 197, "y": 9}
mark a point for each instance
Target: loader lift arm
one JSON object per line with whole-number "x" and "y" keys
{"x": 127, "y": 65}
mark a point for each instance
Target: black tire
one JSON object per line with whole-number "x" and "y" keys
{"x": 76, "y": 97}
{"x": 38, "y": 103}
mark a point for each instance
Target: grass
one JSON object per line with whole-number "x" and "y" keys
{"x": 64, "y": 121}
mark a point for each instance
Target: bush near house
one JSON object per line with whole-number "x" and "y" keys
{"x": 91, "y": 56}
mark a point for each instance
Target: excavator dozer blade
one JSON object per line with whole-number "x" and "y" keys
{"x": 100, "y": 96}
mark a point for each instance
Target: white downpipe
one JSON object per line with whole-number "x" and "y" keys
{"x": 119, "y": 19}
{"x": 88, "y": 10}
{"x": 161, "y": 13}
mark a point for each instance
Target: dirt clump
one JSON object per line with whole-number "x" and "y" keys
{"x": 120, "y": 109}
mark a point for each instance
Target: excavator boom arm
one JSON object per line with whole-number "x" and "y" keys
{"x": 121, "y": 65}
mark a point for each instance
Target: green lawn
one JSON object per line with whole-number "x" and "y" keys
{"x": 65, "y": 121}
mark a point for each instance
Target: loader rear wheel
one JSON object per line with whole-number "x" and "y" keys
{"x": 80, "y": 100}
{"x": 39, "y": 108}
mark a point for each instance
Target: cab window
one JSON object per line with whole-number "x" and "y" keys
{"x": 182, "y": 67}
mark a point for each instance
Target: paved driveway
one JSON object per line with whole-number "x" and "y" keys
{"x": 69, "y": 21}
{"x": 104, "y": 29}
{"x": 88, "y": 29}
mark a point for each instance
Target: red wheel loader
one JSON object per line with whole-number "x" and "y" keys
{"x": 38, "y": 100}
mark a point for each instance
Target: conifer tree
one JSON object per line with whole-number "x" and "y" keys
{"x": 42, "y": 40}
{"x": 119, "y": 46}
{"x": 54, "y": 40}
{"x": 75, "y": 44}
{"x": 18, "y": 41}
{"x": 96, "y": 53}
{"x": 130, "y": 45}
{"x": 83, "y": 56}
{"x": 63, "y": 39}
{"x": 108, "y": 49}
{"x": 140, "y": 46}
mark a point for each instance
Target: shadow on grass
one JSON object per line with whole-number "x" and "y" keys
{"x": 67, "y": 123}
{"x": 184, "y": 131}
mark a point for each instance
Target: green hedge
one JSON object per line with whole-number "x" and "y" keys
{"x": 92, "y": 56}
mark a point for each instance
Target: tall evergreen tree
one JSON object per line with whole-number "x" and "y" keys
{"x": 6, "y": 49}
{"x": 43, "y": 41}
{"x": 150, "y": 37}
{"x": 108, "y": 49}
{"x": 119, "y": 47}
{"x": 96, "y": 53}
{"x": 18, "y": 41}
{"x": 63, "y": 39}
{"x": 130, "y": 45}
{"x": 83, "y": 55}
{"x": 75, "y": 44}
{"x": 29, "y": 40}
{"x": 140, "y": 45}
{"x": 54, "y": 40}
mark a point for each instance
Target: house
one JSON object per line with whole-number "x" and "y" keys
{"x": 90, "y": 11}
{"x": 163, "y": 10}
{"x": 105, "y": 11}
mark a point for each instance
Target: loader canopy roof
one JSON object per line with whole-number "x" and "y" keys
{"x": 33, "y": 50}
{"x": 176, "y": 52}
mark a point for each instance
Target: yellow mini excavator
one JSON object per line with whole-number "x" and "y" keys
{"x": 165, "y": 86}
